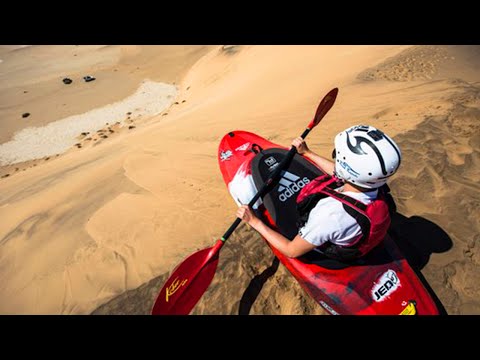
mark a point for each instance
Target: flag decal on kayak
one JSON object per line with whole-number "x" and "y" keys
{"x": 290, "y": 184}
{"x": 243, "y": 147}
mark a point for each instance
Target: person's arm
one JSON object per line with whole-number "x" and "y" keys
{"x": 324, "y": 164}
{"x": 295, "y": 248}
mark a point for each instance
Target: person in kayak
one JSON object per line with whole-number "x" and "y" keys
{"x": 344, "y": 213}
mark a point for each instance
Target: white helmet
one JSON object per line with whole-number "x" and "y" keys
{"x": 365, "y": 156}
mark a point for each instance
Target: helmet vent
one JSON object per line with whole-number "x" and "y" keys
{"x": 375, "y": 135}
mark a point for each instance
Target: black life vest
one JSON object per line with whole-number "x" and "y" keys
{"x": 373, "y": 219}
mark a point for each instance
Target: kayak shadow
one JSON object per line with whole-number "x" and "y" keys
{"x": 255, "y": 286}
{"x": 418, "y": 238}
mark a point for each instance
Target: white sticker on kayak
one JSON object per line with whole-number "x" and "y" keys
{"x": 328, "y": 308}
{"x": 226, "y": 155}
{"x": 243, "y": 147}
{"x": 385, "y": 285}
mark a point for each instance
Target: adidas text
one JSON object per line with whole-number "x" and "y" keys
{"x": 293, "y": 189}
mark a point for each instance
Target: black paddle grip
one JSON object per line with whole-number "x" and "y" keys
{"x": 305, "y": 133}
{"x": 231, "y": 229}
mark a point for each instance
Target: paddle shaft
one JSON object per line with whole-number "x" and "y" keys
{"x": 268, "y": 185}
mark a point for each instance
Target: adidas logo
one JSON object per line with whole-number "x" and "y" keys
{"x": 290, "y": 184}
{"x": 287, "y": 180}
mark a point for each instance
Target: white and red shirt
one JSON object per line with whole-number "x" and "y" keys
{"x": 328, "y": 220}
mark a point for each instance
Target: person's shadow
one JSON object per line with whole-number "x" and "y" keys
{"x": 416, "y": 237}
{"x": 255, "y": 286}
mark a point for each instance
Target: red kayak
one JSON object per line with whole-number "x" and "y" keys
{"x": 381, "y": 283}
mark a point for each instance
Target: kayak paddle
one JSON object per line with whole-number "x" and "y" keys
{"x": 191, "y": 278}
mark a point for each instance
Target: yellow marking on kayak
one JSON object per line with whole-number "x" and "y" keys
{"x": 409, "y": 309}
{"x": 174, "y": 286}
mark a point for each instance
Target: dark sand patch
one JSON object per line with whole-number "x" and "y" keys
{"x": 428, "y": 62}
{"x": 440, "y": 178}
{"x": 247, "y": 281}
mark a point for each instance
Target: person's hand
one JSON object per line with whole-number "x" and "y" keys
{"x": 301, "y": 145}
{"x": 246, "y": 214}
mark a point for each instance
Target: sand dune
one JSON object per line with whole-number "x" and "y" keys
{"x": 99, "y": 229}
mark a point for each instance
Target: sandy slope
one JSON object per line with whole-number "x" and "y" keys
{"x": 85, "y": 228}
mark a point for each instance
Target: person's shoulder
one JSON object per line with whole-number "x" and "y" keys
{"x": 364, "y": 195}
{"x": 326, "y": 209}
{"x": 327, "y": 203}
{"x": 371, "y": 194}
